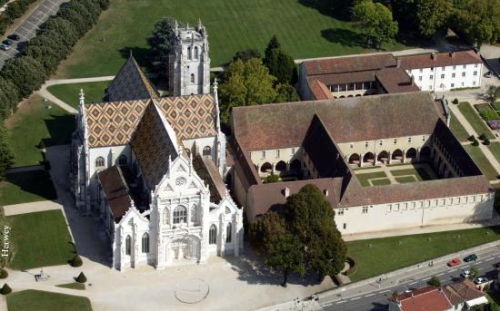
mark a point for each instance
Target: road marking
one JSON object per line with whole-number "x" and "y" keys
{"x": 452, "y": 270}
{"x": 342, "y": 301}
{"x": 384, "y": 291}
{"x": 479, "y": 262}
{"x": 370, "y": 295}
{"x": 413, "y": 283}
{"x": 355, "y": 298}
{"x": 440, "y": 274}
{"x": 489, "y": 259}
{"x": 327, "y": 304}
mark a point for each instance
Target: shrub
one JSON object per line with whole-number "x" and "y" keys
{"x": 471, "y": 138}
{"x": 5, "y": 289}
{"x": 76, "y": 261}
{"x": 3, "y": 273}
{"x": 486, "y": 142}
{"x": 455, "y": 101}
{"x": 489, "y": 114}
{"x": 482, "y": 136}
{"x": 475, "y": 143}
{"x": 271, "y": 179}
{"x": 434, "y": 281}
{"x": 81, "y": 278}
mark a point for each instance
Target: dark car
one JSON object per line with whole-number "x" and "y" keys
{"x": 7, "y": 42}
{"x": 14, "y": 37}
{"x": 471, "y": 257}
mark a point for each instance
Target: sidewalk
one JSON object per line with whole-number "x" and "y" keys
{"x": 32, "y": 207}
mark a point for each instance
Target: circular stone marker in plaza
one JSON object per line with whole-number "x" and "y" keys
{"x": 191, "y": 291}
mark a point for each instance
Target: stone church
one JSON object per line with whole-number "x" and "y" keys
{"x": 149, "y": 167}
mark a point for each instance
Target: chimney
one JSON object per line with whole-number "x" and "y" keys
{"x": 433, "y": 56}
{"x": 287, "y": 192}
{"x": 398, "y": 62}
{"x": 452, "y": 54}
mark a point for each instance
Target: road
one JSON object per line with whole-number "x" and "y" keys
{"x": 28, "y": 28}
{"x": 377, "y": 299}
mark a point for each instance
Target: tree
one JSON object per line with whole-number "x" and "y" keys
{"x": 6, "y": 158}
{"x": 282, "y": 66}
{"x": 286, "y": 93}
{"x": 26, "y": 73}
{"x": 246, "y": 55}
{"x": 434, "y": 281}
{"x": 271, "y": 179}
{"x": 432, "y": 15}
{"x": 5, "y": 289}
{"x": 81, "y": 278}
{"x": 493, "y": 92}
{"x": 473, "y": 272}
{"x": 283, "y": 251}
{"x": 273, "y": 44}
{"x": 246, "y": 84}
{"x": 311, "y": 217}
{"x": 477, "y": 21}
{"x": 9, "y": 98}
{"x": 160, "y": 42}
{"x": 376, "y": 22}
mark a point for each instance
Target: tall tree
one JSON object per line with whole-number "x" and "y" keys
{"x": 161, "y": 42}
{"x": 246, "y": 84}
{"x": 376, "y": 22}
{"x": 6, "y": 158}
{"x": 286, "y": 93}
{"x": 432, "y": 15}
{"x": 282, "y": 66}
{"x": 273, "y": 44}
{"x": 311, "y": 218}
{"x": 26, "y": 73}
{"x": 247, "y": 54}
{"x": 9, "y": 97}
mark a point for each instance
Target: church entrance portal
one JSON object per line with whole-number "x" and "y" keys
{"x": 187, "y": 248}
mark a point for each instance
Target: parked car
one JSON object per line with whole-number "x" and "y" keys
{"x": 471, "y": 257}
{"x": 454, "y": 262}
{"x": 480, "y": 280}
{"x": 488, "y": 74}
{"x": 465, "y": 274}
{"x": 5, "y": 47}
{"x": 14, "y": 37}
{"x": 7, "y": 42}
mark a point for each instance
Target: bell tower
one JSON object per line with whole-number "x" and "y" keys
{"x": 189, "y": 63}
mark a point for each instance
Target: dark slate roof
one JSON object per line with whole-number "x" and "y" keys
{"x": 130, "y": 84}
{"x": 440, "y": 59}
{"x": 349, "y": 64}
{"x": 116, "y": 191}
{"x": 153, "y": 142}
{"x": 206, "y": 169}
{"x": 347, "y": 120}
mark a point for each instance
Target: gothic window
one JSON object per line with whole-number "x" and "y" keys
{"x": 196, "y": 52}
{"x": 228, "y": 233}
{"x": 128, "y": 245}
{"x": 192, "y": 78}
{"x": 212, "y": 235}
{"x": 189, "y": 53}
{"x": 180, "y": 215}
{"x": 145, "y": 243}
{"x": 99, "y": 162}
{"x": 207, "y": 151}
{"x": 122, "y": 160}
{"x": 165, "y": 216}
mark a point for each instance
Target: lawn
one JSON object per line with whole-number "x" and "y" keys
{"x": 26, "y": 187}
{"x": 364, "y": 178}
{"x": 406, "y": 179}
{"x": 305, "y": 28}
{"x": 475, "y": 120}
{"x": 378, "y": 256}
{"x": 495, "y": 149}
{"x": 419, "y": 173}
{"x": 458, "y": 129}
{"x": 34, "y": 300}
{"x": 40, "y": 239}
{"x": 481, "y": 161}
{"x": 68, "y": 93}
{"x": 33, "y": 123}
{"x": 381, "y": 182}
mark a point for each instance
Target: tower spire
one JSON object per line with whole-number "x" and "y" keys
{"x": 82, "y": 98}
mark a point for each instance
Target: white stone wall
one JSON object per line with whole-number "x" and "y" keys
{"x": 442, "y": 79}
{"x": 274, "y": 156}
{"x": 401, "y": 215}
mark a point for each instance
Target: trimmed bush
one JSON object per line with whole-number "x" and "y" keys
{"x": 475, "y": 143}
{"x": 471, "y": 138}
{"x": 5, "y": 289}
{"x": 486, "y": 142}
{"x": 3, "y": 273}
{"x": 76, "y": 261}
{"x": 271, "y": 179}
{"x": 81, "y": 278}
{"x": 455, "y": 101}
{"x": 482, "y": 136}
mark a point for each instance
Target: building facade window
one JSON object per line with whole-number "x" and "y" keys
{"x": 196, "y": 54}
{"x": 431, "y": 77}
{"x": 366, "y": 144}
{"x": 207, "y": 151}
{"x": 128, "y": 245}
{"x": 212, "y": 235}
{"x": 409, "y": 139}
{"x": 463, "y": 74}
{"x": 340, "y": 211}
{"x": 192, "y": 78}
{"x": 180, "y": 215}
{"x": 145, "y": 243}
{"x": 453, "y": 85}
{"x": 99, "y": 162}
{"x": 475, "y": 73}
{"x": 278, "y": 153}
{"x": 420, "y": 78}
{"x": 442, "y": 76}
{"x": 229, "y": 231}
{"x": 453, "y": 75}
{"x": 263, "y": 154}
{"x": 365, "y": 209}
{"x": 122, "y": 160}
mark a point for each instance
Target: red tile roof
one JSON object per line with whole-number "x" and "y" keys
{"x": 319, "y": 90}
{"x": 424, "y": 299}
{"x": 396, "y": 80}
{"x": 440, "y": 60}
{"x": 116, "y": 191}
{"x": 349, "y": 64}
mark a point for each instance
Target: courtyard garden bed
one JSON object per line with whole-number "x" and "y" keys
{"x": 406, "y": 179}
{"x": 458, "y": 129}
{"x": 35, "y": 300}
{"x": 365, "y": 178}
{"x": 475, "y": 120}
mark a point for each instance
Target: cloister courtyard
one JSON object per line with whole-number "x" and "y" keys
{"x": 385, "y": 174}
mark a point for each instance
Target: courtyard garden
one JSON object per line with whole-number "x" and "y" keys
{"x": 480, "y": 159}
{"x": 373, "y": 258}
{"x": 69, "y": 93}
{"x": 232, "y": 26}
{"x": 28, "y": 186}
{"x": 475, "y": 120}
{"x": 458, "y": 129}
{"x": 40, "y": 239}
{"x": 35, "y": 300}
{"x": 399, "y": 173}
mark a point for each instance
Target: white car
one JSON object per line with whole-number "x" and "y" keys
{"x": 465, "y": 274}
{"x": 480, "y": 280}
{"x": 488, "y": 74}
{"x": 5, "y": 47}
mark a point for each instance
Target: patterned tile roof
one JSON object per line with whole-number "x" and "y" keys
{"x": 112, "y": 124}
{"x": 130, "y": 84}
{"x": 153, "y": 143}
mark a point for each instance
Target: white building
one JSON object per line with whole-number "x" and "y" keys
{"x": 444, "y": 71}
{"x": 150, "y": 169}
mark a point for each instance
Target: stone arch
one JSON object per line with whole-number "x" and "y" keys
{"x": 184, "y": 248}
{"x": 342, "y": 96}
{"x": 425, "y": 152}
{"x": 145, "y": 242}
{"x": 128, "y": 245}
{"x": 358, "y": 95}
{"x": 369, "y": 157}
{"x": 383, "y": 156}
{"x": 281, "y": 166}
{"x": 350, "y": 96}
{"x": 354, "y": 158}
{"x": 266, "y": 168}
{"x": 296, "y": 166}
{"x": 190, "y": 56}
{"x": 397, "y": 154}
{"x": 411, "y": 153}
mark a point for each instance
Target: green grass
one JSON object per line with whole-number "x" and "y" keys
{"x": 34, "y": 123}
{"x": 232, "y": 26}
{"x": 40, "y": 239}
{"x": 406, "y": 179}
{"x": 68, "y": 93}
{"x": 475, "y": 120}
{"x": 364, "y": 178}
{"x": 420, "y": 173}
{"x": 34, "y": 300}
{"x": 495, "y": 149}
{"x": 479, "y": 158}
{"x": 458, "y": 129}
{"x": 380, "y": 257}
{"x": 381, "y": 182}
{"x": 26, "y": 187}
{"x": 73, "y": 285}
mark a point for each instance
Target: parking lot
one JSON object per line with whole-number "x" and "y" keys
{"x": 27, "y": 29}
